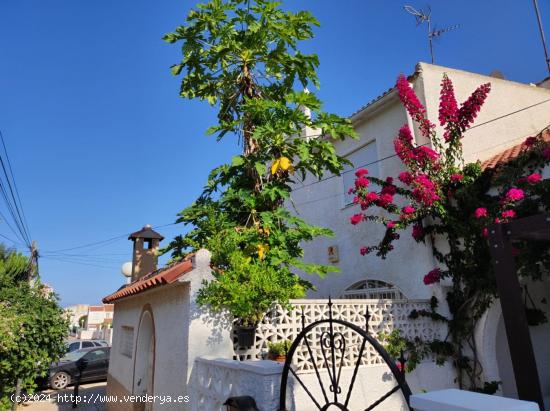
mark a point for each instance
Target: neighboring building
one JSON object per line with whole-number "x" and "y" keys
{"x": 99, "y": 316}
{"x": 158, "y": 328}
{"x": 76, "y": 312}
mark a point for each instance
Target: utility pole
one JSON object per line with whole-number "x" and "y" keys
{"x": 32, "y": 270}
{"x": 541, "y": 30}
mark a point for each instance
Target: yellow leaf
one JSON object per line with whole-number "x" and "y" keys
{"x": 262, "y": 249}
{"x": 285, "y": 163}
{"x": 275, "y": 166}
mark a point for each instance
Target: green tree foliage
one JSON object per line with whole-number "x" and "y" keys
{"x": 243, "y": 57}
{"x": 32, "y": 327}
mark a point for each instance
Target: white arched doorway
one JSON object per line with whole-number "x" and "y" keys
{"x": 144, "y": 366}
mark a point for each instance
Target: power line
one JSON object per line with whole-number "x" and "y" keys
{"x": 421, "y": 145}
{"x": 14, "y": 183}
{"x": 12, "y": 199}
{"x": 340, "y": 194}
{"x": 103, "y": 242}
{"x": 9, "y": 239}
{"x": 80, "y": 263}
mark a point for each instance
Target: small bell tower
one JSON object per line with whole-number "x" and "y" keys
{"x": 146, "y": 245}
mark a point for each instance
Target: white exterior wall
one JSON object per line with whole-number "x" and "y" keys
{"x": 168, "y": 305}
{"x": 505, "y": 97}
{"x": 332, "y": 213}
{"x": 182, "y": 333}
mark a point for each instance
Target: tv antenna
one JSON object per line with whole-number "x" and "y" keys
{"x": 425, "y": 16}
{"x": 541, "y": 30}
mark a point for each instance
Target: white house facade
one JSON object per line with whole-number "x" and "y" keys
{"x": 512, "y": 112}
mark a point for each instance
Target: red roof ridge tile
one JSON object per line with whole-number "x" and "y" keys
{"x": 510, "y": 153}
{"x": 165, "y": 275}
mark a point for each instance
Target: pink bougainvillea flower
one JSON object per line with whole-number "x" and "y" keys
{"x": 448, "y": 108}
{"x": 405, "y": 177}
{"x": 389, "y": 180}
{"x": 390, "y": 224}
{"x": 389, "y": 189}
{"x": 384, "y": 200}
{"x": 413, "y": 105}
{"x": 371, "y": 197}
{"x": 356, "y": 200}
{"x": 361, "y": 172}
{"x": 480, "y": 212}
{"x": 514, "y": 194}
{"x": 424, "y": 155}
{"x": 409, "y": 209}
{"x": 361, "y": 182}
{"x": 530, "y": 141}
{"x": 433, "y": 276}
{"x": 534, "y": 178}
{"x": 425, "y": 190}
{"x": 497, "y": 220}
{"x": 508, "y": 214}
{"x": 456, "y": 178}
{"x": 485, "y": 232}
{"x": 470, "y": 108}
{"x": 356, "y": 218}
{"x": 403, "y": 144}
{"x": 365, "y": 250}
{"x": 417, "y": 232}
{"x": 546, "y": 153}
{"x": 399, "y": 366}
{"x": 350, "y": 191}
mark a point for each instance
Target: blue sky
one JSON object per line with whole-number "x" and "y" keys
{"x": 101, "y": 143}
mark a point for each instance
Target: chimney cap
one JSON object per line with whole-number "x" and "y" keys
{"x": 146, "y": 232}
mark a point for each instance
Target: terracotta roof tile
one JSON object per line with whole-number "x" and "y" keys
{"x": 163, "y": 276}
{"x": 510, "y": 153}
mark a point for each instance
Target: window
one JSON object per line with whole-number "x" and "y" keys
{"x": 74, "y": 346}
{"x": 87, "y": 344}
{"x": 95, "y": 355}
{"x": 359, "y": 158}
{"x": 373, "y": 289}
{"x": 126, "y": 341}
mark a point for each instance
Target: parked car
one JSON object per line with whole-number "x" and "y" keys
{"x": 79, "y": 344}
{"x": 91, "y": 363}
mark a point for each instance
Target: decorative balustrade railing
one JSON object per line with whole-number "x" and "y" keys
{"x": 385, "y": 316}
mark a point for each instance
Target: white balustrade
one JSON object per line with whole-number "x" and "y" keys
{"x": 385, "y": 316}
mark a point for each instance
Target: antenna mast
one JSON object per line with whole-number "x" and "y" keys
{"x": 536, "y": 4}
{"x": 421, "y": 17}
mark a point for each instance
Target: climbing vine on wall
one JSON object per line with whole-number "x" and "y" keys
{"x": 448, "y": 206}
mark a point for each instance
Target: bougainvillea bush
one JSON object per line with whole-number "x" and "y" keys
{"x": 448, "y": 206}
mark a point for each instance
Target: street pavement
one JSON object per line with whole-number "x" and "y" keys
{"x": 51, "y": 400}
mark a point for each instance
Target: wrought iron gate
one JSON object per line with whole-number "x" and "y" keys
{"x": 332, "y": 347}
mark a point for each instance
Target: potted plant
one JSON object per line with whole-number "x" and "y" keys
{"x": 247, "y": 289}
{"x": 277, "y": 351}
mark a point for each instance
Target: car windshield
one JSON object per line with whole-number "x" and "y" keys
{"x": 73, "y": 355}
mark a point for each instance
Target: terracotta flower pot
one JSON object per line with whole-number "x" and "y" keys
{"x": 276, "y": 357}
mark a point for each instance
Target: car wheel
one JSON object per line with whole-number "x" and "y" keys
{"x": 60, "y": 380}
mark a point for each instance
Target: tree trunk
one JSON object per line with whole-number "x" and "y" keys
{"x": 17, "y": 394}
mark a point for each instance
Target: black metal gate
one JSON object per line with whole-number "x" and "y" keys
{"x": 329, "y": 334}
